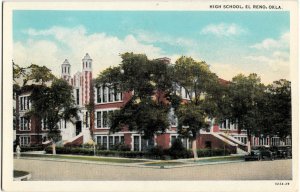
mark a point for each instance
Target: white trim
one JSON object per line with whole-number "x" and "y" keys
{"x": 107, "y": 89}
{"x": 172, "y": 134}
{"x": 23, "y": 143}
{"x": 27, "y": 121}
{"x": 21, "y": 134}
{"x": 96, "y": 118}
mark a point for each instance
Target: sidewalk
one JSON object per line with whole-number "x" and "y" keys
{"x": 142, "y": 163}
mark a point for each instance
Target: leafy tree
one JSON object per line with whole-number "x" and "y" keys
{"x": 245, "y": 95}
{"x": 22, "y": 75}
{"x": 202, "y": 87}
{"x": 53, "y": 104}
{"x": 147, "y": 110}
{"x": 277, "y": 110}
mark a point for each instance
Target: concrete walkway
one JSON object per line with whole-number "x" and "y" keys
{"x": 57, "y": 171}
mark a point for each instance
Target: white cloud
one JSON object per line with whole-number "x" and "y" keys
{"x": 274, "y": 55}
{"x": 223, "y": 29}
{"x": 73, "y": 43}
{"x": 269, "y": 43}
{"x": 227, "y": 71}
{"x": 150, "y": 37}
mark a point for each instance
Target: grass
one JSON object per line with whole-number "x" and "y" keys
{"x": 86, "y": 158}
{"x": 221, "y": 159}
{"x": 20, "y": 173}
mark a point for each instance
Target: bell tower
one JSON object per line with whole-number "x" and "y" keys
{"x": 66, "y": 70}
{"x": 86, "y": 78}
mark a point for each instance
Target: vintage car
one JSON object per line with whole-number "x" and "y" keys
{"x": 283, "y": 152}
{"x": 255, "y": 154}
{"x": 259, "y": 153}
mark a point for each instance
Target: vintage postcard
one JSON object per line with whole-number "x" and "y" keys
{"x": 150, "y": 96}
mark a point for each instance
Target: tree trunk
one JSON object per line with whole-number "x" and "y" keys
{"x": 53, "y": 148}
{"x": 194, "y": 147}
{"x": 249, "y": 143}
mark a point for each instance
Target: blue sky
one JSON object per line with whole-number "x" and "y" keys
{"x": 230, "y": 42}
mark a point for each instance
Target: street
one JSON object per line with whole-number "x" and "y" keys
{"x": 42, "y": 170}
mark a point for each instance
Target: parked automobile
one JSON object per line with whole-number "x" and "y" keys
{"x": 255, "y": 154}
{"x": 259, "y": 153}
{"x": 282, "y": 152}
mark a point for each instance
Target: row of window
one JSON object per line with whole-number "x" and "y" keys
{"x": 105, "y": 94}
{"x": 102, "y": 118}
{"x": 24, "y": 103}
{"x": 242, "y": 139}
{"x": 65, "y": 70}
{"x": 227, "y": 125}
{"x": 24, "y": 140}
{"x": 107, "y": 142}
{"x": 24, "y": 124}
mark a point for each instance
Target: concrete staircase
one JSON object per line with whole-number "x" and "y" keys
{"x": 77, "y": 140}
{"x": 241, "y": 148}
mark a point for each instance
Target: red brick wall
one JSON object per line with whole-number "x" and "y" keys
{"x": 163, "y": 140}
{"x": 215, "y": 142}
{"x": 127, "y": 139}
{"x": 77, "y": 141}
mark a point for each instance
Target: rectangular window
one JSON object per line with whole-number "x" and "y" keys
{"x": 104, "y": 144}
{"x": 44, "y": 124}
{"x": 117, "y": 139}
{"x": 87, "y": 119}
{"x": 99, "y": 93}
{"x": 111, "y": 141}
{"x": 21, "y": 103}
{"x": 117, "y": 96}
{"x": 24, "y": 140}
{"x": 122, "y": 139}
{"x": 24, "y": 124}
{"x": 98, "y": 140}
{"x": 105, "y": 117}
{"x": 77, "y": 96}
{"x": 99, "y": 119}
{"x": 136, "y": 143}
{"x": 27, "y": 102}
{"x": 173, "y": 138}
{"x": 111, "y": 95}
{"x": 105, "y": 94}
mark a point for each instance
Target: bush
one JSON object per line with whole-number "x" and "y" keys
{"x": 156, "y": 152}
{"x": 178, "y": 151}
{"x": 120, "y": 147}
{"x": 212, "y": 152}
{"x": 32, "y": 148}
{"x": 175, "y": 152}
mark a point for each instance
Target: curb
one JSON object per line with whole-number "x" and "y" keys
{"x": 140, "y": 165}
{"x": 23, "y": 178}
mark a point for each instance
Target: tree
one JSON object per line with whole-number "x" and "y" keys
{"x": 202, "y": 88}
{"x": 22, "y": 75}
{"x": 147, "y": 110}
{"x": 279, "y": 108}
{"x": 53, "y": 104}
{"x": 245, "y": 94}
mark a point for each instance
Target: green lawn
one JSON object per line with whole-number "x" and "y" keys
{"x": 20, "y": 173}
{"x": 86, "y": 158}
{"x": 220, "y": 159}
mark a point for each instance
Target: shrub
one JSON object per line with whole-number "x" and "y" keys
{"x": 120, "y": 147}
{"x": 156, "y": 152}
{"x": 178, "y": 151}
{"x": 32, "y": 148}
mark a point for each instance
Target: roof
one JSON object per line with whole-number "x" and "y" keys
{"x": 223, "y": 81}
{"x": 66, "y": 62}
{"x": 86, "y": 57}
